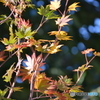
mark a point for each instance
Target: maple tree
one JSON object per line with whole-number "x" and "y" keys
{"x": 23, "y": 37}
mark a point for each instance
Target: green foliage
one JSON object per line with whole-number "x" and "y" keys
{"x": 3, "y": 92}
{"x": 7, "y": 77}
{"x": 49, "y": 14}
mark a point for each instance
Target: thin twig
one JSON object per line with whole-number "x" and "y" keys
{"x": 13, "y": 84}
{"x": 41, "y": 23}
{"x": 86, "y": 58}
{"x": 90, "y": 60}
{"x": 64, "y": 13}
{"x": 79, "y": 78}
{"x": 60, "y": 12}
{"x": 1, "y": 22}
{"x": 31, "y": 87}
{"x": 8, "y": 58}
{"x": 17, "y": 72}
{"x": 82, "y": 72}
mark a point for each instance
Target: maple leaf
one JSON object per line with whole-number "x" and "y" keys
{"x": 53, "y": 48}
{"x": 96, "y": 53}
{"x": 55, "y": 4}
{"x": 73, "y": 6}
{"x": 33, "y": 64}
{"x": 7, "y": 77}
{"x": 82, "y": 68}
{"x": 62, "y": 35}
{"x": 75, "y": 89}
{"x": 3, "y": 92}
{"x": 63, "y": 20}
{"x": 17, "y": 89}
{"x": 63, "y": 83}
{"x": 42, "y": 82}
{"x": 87, "y": 51}
{"x": 2, "y": 56}
{"x": 60, "y": 96}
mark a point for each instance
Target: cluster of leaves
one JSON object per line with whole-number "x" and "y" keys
{"x": 22, "y": 37}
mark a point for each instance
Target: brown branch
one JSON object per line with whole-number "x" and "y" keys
{"x": 1, "y": 22}
{"x": 8, "y": 58}
{"x": 64, "y": 13}
{"x": 18, "y": 65}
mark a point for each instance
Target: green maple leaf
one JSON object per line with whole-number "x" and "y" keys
{"x": 49, "y": 14}
{"x": 7, "y": 77}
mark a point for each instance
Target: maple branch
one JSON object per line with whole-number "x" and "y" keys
{"x": 41, "y": 23}
{"x": 82, "y": 72}
{"x": 1, "y": 22}
{"x": 59, "y": 11}
{"x": 31, "y": 88}
{"x": 91, "y": 59}
{"x": 86, "y": 58}
{"x": 14, "y": 82}
{"x": 64, "y": 13}
{"x": 18, "y": 70}
{"x": 8, "y": 58}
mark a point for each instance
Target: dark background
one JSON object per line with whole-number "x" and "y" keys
{"x": 85, "y": 32}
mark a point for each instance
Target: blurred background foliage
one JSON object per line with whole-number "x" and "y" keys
{"x": 85, "y": 32}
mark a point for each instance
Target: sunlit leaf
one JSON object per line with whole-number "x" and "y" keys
{"x": 73, "y": 6}
{"x": 64, "y": 82}
{"x": 83, "y": 68}
{"x": 25, "y": 74}
{"x": 60, "y": 96}
{"x": 7, "y": 77}
{"x": 3, "y": 92}
{"x": 11, "y": 40}
{"x": 51, "y": 15}
{"x": 75, "y": 89}
{"x": 47, "y": 12}
{"x": 26, "y": 33}
{"x": 96, "y": 53}
{"x": 17, "y": 89}
{"x": 62, "y": 35}
{"x": 33, "y": 64}
{"x": 54, "y": 48}
{"x": 63, "y": 20}
{"x": 43, "y": 11}
{"x": 87, "y": 51}
{"x": 10, "y": 48}
{"x": 3, "y": 1}
{"x": 55, "y": 4}
{"x": 42, "y": 82}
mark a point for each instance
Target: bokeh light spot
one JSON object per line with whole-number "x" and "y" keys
{"x": 96, "y": 3}
{"x": 91, "y": 29}
{"x": 81, "y": 46}
{"x": 74, "y": 50}
{"x": 19, "y": 80}
{"x": 69, "y": 68}
{"x": 40, "y": 3}
{"x": 84, "y": 33}
{"x": 97, "y": 22}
